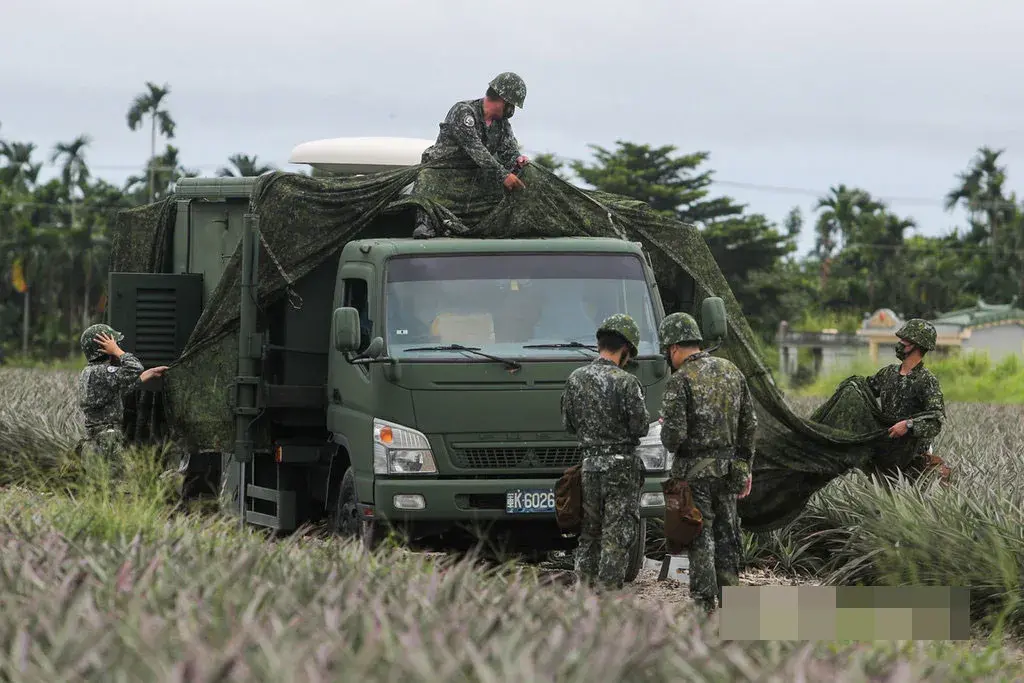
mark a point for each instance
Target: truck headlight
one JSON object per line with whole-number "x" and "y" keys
{"x": 400, "y": 450}
{"x": 650, "y": 450}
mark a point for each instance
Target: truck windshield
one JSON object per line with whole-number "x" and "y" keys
{"x": 512, "y": 305}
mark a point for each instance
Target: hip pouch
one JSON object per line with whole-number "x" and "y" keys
{"x": 683, "y": 521}
{"x": 569, "y": 500}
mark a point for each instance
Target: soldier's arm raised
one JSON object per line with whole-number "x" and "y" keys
{"x": 462, "y": 124}
{"x": 673, "y": 414}
{"x": 128, "y": 376}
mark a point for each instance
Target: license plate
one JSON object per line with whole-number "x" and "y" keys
{"x": 529, "y": 501}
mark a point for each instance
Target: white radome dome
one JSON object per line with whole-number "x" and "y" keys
{"x": 360, "y": 155}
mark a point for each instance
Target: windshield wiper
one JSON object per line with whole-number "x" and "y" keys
{"x": 562, "y": 345}
{"x": 515, "y": 365}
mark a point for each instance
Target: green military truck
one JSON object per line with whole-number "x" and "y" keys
{"x": 417, "y": 387}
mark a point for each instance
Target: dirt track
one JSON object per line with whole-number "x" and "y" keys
{"x": 648, "y": 587}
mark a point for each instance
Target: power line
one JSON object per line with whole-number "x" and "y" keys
{"x": 759, "y": 187}
{"x": 937, "y": 246}
{"x": 819, "y": 194}
{"x": 979, "y": 205}
{"x": 889, "y": 199}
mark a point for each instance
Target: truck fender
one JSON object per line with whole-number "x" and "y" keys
{"x": 339, "y": 463}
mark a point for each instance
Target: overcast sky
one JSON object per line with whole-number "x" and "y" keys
{"x": 795, "y": 95}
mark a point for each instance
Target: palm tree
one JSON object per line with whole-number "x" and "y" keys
{"x": 20, "y": 173}
{"x": 163, "y": 171}
{"x": 74, "y": 171}
{"x": 843, "y": 208}
{"x": 246, "y": 167}
{"x": 75, "y": 175}
{"x": 148, "y": 104}
{"x": 980, "y": 188}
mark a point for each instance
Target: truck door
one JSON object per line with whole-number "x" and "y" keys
{"x": 350, "y": 391}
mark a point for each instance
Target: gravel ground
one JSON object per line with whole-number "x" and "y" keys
{"x": 648, "y": 587}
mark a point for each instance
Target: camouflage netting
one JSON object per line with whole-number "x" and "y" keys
{"x": 304, "y": 221}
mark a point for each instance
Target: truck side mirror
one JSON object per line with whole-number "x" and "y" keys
{"x": 713, "y": 319}
{"x": 345, "y": 329}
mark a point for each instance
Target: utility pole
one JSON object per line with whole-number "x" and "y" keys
{"x": 24, "y": 326}
{"x": 152, "y": 152}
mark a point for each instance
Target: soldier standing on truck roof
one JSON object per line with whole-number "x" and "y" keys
{"x": 910, "y": 392}
{"x": 476, "y": 134}
{"x": 110, "y": 373}
{"x": 603, "y": 405}
{"x": 708, "y": 422}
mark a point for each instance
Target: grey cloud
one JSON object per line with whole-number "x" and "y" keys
{"x": 798, "y": 93}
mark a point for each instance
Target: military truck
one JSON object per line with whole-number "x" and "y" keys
{"x": 417, "y": 388}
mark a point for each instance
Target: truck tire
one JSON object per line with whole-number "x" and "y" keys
{"x": 345, "y": 517}
{"x": 636, "y": 556}
{"x": 346, "y": 520}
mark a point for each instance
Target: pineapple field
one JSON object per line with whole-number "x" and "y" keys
{"x": 110, "y": 580}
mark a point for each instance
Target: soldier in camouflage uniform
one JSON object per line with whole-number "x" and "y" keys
{"x": 476, "y": 134}
{"x": 603, "y": 406}
{"x": 709, "y": 424}
{"x": 102, "y": 385}
{"x": 909, "y": 392}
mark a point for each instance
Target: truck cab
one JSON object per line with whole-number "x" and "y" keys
{"x": 448, "y": 361}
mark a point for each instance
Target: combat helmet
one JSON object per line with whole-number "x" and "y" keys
{"x": 90, "y": 345}
{"x": 510, "y": 87}
{"x": 919, "y": 332}
{"x": 679, "y": 328}
{"x": 624, "y": 325}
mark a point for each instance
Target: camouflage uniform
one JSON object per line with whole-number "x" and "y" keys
{"x": 101, "y": 387}
{"x": 917, "y": 396}
{"x": 603, "y": 406}
{"x": 710, "y": 425}
{"x": 466, "y": 142}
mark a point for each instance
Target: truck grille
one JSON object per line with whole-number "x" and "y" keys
{"x": 557, "y": 457}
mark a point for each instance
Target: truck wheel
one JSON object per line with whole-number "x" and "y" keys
{"x": 636, "y": 557}
{"x": 346, "y": 520}
{"x": 346, "y": 510}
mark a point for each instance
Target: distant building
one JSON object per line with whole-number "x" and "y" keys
{"x": 994, "y": 329}
{"x": 825, "y": 351}
{"x": 997, "y": 330}
{"x": 879, "y": 328}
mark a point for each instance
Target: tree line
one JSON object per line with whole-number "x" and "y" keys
{"x": 864, "y": 256}
{"x": 55, "y": 235}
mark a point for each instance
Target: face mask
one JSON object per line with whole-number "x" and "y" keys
{"x": 901, "y": 352}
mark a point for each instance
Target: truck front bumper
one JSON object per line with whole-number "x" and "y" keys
{"x": 412, "y": 500}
